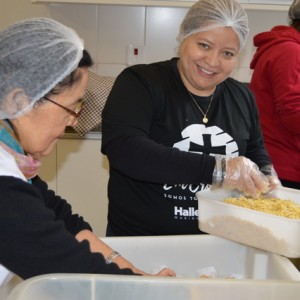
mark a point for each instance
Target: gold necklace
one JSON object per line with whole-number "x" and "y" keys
{"x": 205, "y": 119}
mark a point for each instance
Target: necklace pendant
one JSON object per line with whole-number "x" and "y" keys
{"x": 204, "y": 120}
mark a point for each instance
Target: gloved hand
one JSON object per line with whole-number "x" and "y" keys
{"x": 270, "y": 173}
{"x": 239, "y": 173}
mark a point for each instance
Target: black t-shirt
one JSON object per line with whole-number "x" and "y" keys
{"x": 160, "y": 151}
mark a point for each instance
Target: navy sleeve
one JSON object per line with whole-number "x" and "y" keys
{"x": 126, "y": 137}
{"x": 256, "y": 150}
{"x": 34, "y": 241}
{"x": 62, "y": 209}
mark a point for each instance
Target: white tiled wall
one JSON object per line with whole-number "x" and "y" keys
{"x": 162, "y": 26}
{"x": 108, "y": 29}
{"x": 83, "y": 18}
{"x": 258, "y": 21}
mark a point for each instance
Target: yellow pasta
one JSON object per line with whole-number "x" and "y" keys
{"x": 275, "y": 206}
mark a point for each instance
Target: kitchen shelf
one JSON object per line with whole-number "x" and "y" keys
{"x": 165, "y": 3}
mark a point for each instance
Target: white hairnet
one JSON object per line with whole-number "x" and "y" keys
{"x": 35, "y": 55}
{"x": 209, "y": 14}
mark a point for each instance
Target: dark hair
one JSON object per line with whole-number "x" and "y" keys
{"x": 296, "y": 24}
{"x": 85, "y": 62}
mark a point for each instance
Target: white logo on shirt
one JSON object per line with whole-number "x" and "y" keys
{"x": 200, "y": 139}
{"x": 209, "y": 140}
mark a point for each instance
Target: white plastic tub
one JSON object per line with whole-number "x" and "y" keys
{"x": 188, "y": 254}
{"x": 100, "y": 287}
{"x": 263, "y": 275}
{"x": 265, "y": 231}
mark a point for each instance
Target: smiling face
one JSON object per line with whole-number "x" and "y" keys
{"x": 39, "y": 130}
{"x": 207, "y": 58}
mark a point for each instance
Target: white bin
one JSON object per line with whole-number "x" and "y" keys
{"x": 188, "y": 253}
{"x": 109, "y": 287}
{"x": 264, "y": 275}
{"x": 253, "y": 228}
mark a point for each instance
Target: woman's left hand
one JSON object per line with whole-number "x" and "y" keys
{"x": 274, "y": 182}
{"x": 166, "y": 272}
{"x": 271, "y": 175}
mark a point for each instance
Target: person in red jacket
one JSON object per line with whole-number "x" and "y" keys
{"x": 276, "y": 85}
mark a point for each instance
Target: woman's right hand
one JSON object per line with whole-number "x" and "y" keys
{"x": 98, "y": 246}
{"x": 243, "y": 174}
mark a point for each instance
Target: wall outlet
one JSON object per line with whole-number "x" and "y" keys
{"x": 135, "y": 55}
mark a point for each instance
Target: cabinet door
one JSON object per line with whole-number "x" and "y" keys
{"x": 283, "y": 2}
{"x": 48, "y": 170}
{"x": 82, "y": 176}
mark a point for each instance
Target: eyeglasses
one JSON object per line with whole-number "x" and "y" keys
{"x": 75, "y": 113}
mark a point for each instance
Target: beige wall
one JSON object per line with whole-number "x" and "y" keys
{"x": 13, "y": 10}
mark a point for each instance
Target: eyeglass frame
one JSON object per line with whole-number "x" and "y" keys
{"x": 75, "y": 114}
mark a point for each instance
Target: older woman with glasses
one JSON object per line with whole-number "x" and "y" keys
{"x": 44, "y": 75}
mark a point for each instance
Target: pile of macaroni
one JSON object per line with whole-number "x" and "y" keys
{"x": 275, "y": 206}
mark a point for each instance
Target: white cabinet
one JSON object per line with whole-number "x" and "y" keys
{"x": 48, "y": 170}
{"x": 247, "y": 4}
{"x": 78, "y": 172}
{"x": 165, "y": 3}
{"x": 282, "y": 2}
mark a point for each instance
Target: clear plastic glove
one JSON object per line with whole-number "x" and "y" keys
{"x": 239, "y": 173}
{"x": 270, "y": 173}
